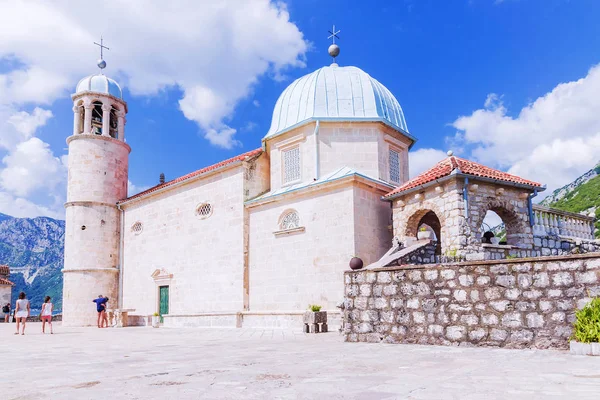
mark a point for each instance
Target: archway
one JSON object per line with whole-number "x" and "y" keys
{"x": 511, "y": 228}
{"x": 426, "y": 220}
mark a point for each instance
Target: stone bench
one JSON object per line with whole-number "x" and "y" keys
{"x": 120, "y": 317}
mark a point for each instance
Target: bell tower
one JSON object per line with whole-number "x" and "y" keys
{"x": 98, "y": 169}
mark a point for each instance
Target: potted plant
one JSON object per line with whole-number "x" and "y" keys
{"x": 356, "y": 263}
{"x": 155, "y": 320}
{"x": 586, "y": 330}
{"x": 423, "y": 233}
{"x": 313, "y": 318}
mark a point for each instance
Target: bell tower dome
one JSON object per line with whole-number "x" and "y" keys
{"x": 98, "y": 171}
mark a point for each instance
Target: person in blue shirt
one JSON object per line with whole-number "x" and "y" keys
{"x": 101, "y": 308}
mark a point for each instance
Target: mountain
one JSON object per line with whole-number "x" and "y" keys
{"x": 580, "y": 196}
{"x": 33, "y": 249}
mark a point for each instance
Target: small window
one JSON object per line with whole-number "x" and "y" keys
{"x": 137, "y": 228}
{"x": 289, "y": 220}
{"x": 394, "y": 166}
{"x": 291, "y": 165}
{"x": 204, "y": 210}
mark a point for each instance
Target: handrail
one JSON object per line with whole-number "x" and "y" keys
{"x": 550, "y": 221}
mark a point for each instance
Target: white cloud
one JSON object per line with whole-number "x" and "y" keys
{"x": 552, "y": 140}
{"x": 214, "y": 51}
{"x": 423, "y": 159}
{"x": 23, "y": 208}
{"x": 30, "y": 167}
{"x": 133, "y": 189}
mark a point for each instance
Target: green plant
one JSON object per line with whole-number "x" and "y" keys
{"x": 422, "y": 229}
{"x": 451, "y": 253}
{"x": 314, "y": 308}
{"x": 510, "y": 257}
{"x": 586, "y": 328}
{"x": 156, "y": 314}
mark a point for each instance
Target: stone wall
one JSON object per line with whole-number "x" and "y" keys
{"x": 509, "y": 303}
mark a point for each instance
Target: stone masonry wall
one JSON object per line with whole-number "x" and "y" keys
{"x": 510, "y": 303}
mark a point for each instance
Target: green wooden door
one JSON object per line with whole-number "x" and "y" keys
{"x": 164, "y": 301}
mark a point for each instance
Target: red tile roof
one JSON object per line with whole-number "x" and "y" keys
{"x": 240, "y": 157}
{"x": 4, "y": 270}
{"x": 5, "y": 282}
{"x": 466, "y": 167}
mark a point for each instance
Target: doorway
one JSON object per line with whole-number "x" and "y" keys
{"x": 163, "y": 305}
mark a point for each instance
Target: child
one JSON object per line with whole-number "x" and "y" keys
{"x": 46, "y": 315}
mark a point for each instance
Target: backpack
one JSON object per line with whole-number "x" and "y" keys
{"x": 5, "y": 309}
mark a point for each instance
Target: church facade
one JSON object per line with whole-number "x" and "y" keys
{"x": 252, "y": 240}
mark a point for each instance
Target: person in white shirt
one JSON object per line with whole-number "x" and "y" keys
{"x": 46, "y": 314}
{"x": 22, "y": 312}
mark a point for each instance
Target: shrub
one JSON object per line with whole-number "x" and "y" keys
{"x": 156, "y": 314}
{"x": 586, "y": 328}
{"x": 314, "y": 308}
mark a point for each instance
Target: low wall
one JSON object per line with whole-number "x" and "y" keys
{"x": 507, "y": 303}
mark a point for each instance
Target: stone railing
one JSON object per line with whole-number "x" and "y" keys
{"x": 552, "y": 222}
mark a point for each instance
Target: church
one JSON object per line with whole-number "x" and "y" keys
{"x": 250, "y": 241}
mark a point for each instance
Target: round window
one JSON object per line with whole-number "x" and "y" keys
{"x": 137, "y": 228}
{"x": 204, "y": 210}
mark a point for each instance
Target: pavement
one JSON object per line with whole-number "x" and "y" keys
{"x": 195, "y": 363}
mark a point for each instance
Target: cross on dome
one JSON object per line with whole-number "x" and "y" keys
{"x": 334, "y": 49}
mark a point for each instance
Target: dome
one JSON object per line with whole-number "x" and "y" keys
{"x": 337, "y": 94}
{"x": 99, "y": 83}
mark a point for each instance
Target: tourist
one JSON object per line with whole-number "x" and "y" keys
{"x": 101, "y": 308}
{"x": 6, "y": 311}
{"x": 22, "y": 312}
{"x": 46, "y": 314}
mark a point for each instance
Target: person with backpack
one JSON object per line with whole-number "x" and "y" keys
{"x": 6, "y": 311}
{"x": 46, "y": 314}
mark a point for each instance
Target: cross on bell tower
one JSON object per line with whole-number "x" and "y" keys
{"x": 101, "y": 62}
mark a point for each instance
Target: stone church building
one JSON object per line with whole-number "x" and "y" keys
{"x": 254, "y": 239}
{"x": 251, "y": 240}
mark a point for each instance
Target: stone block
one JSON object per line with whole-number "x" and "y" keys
{"x": 466, "y": 280}
{"x": 562, "y": 279}
{"x": 546, "y": 305}
{"x": 499, "y": 269}
{"x": 381, "y": 303}
{"x": 500, "y": 305}
{"x": 369, "y": 316}
{"x": 435, "y": 330}
{"x": 448, "y": 274}
{"x": 525, "y": 306}
{"x": 469, "y": 319}
{"x": 492, "y": 293}
{"x": 524, "y": 280}
{"x": 361, "y": 303}
{"x": 507, "y": 281}
{"x": 390, "y": 290}
{"x": 413, "y": 303}
{"x": 498, "y": 335}
{"x": 489, "y": 319}
{"x": 422, "y": 289}
{"x": 512, "y": 320}
{"x": 583, "y": 302}
{"x": 563, "y": 331}
{"x": 407, "y": 289}
{"x": 396, "y": 303}
{"x": 371, "y": 277}
{"x": 315, "y": 317}
{"x": 384, "y": 277}
{"x": 431, "y": 275}
{"x": 512, "y": 294}
{"x": 456, "y": 332}
{"x": 474, "y": 295}
{"x": 555, "y": 293}
{"x": 418, "y": 317}
{"x": 415, "y": 276}
{"x": 387, "y": 317}
{"x": 460, "y": 295}
{"x": 521, "y": 336}
{"x": 364, "y": 327}
{"x": 483, "y": 280}
{"x": 398, "y": 330}
{"x": 442, "y": 318}
{"x": 558, "y": 316}
{"x": 541, "y": 280}
{"x": 532, "y": 294}
{"x": 399, "y": 276}
{"x": 403, "y": 317}
{"x": 564, "y": 305}
{"x": 586, "y": 277}
{"x": 377, "y": 290}
{"x": 534, "y": 320}
{"x": 365, "y": 290}
{"x": 429, "y": 305}
{"x": 351, "y": 290}
{"x": 477, "y": 334}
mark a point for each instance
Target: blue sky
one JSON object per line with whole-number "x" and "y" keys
{"x": 520, "y": 73}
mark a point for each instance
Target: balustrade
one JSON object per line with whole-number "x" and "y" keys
{"x": 550, "y": 221}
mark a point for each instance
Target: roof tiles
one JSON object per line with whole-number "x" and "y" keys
{"x": 240, "y": 157}
{"x": 448, "y": 165}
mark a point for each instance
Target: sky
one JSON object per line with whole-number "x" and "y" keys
{"x": 512, "y": 84}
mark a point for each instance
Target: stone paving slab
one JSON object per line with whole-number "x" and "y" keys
{"x": 147, "y": 363}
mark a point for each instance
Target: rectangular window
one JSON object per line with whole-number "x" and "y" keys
{"x": 394, "y": 166}
{"x": 291, "y": 165}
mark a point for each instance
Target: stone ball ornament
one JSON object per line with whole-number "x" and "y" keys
{"x": 334, "y": 50}
{"x": 101, "y": 64}
{"x": 356, "y": 263}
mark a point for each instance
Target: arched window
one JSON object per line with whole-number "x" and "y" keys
{"x": 81, "y": 117}
{"x": 97, "y": 118}
{"x": 289, "y": 220}
{"x": 114, "y": 123}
